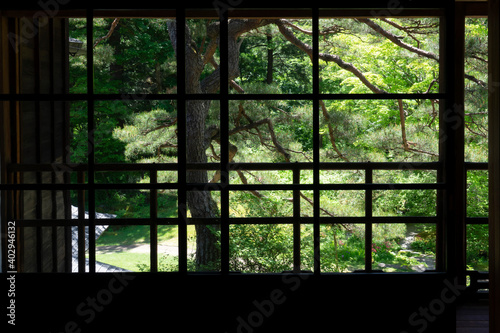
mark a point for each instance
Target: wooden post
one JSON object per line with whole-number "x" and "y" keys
{"x": 494, "y": 161}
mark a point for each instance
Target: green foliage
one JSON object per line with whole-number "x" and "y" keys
{"x": 477, "y": 193}
{"x": 477, "y": 247}
{"x": 261, "y": 248}
{"x": 139, "y": 58}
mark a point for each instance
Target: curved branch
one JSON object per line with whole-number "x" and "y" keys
{"x": 330, "y": 131}
{"x": 110, "y": 32}
{"x": 255, "y": 125}
{"x": 393, "y": 38}
{"x": 327, "y": 57}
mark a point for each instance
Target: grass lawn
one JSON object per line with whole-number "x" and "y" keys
{"x": 135, "y": 235}
{"x": 126, "y": 260}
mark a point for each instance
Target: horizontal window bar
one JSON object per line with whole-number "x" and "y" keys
{"x": 359, "y": 186}
{"x": 219, "y": 186}
{"x": 476, "y": 165}
{"x": 232, "y": 221}
{"x": 75, "y": 222}
{"x": 140, "y": 97}
{"x": 476, "y": 220}
{"x": 403, "y": 166}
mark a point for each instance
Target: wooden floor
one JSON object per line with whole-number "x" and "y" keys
{"x": 472, "y": 317}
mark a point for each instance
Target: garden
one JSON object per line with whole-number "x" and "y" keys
{"x": 137, "y": 57}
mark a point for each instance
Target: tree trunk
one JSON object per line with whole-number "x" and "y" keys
{"x": 201, "y": 203}
{"x": 115, "y": 69}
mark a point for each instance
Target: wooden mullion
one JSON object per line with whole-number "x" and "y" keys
{"x": 91, "y": 140}
{"x": 81, "y": 224}
{"x": 316, "y": 143}
{"x": 153, "y": 215}
{"x": 368, "y": 223}
{"x": 181, "y": 137}
{"x": 296, "y": 224}
{"x": 53, "y": 130}
{"x": 494, "y": 163}
{"x": 224, "y": 142}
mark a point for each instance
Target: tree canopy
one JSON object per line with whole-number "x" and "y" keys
{"x": 273, "y": 56}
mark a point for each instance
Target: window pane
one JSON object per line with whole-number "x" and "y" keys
{"x": 260, "y": 203}
{"x": 371, "y": 55}
{"x": 477, "y": 193}
{"x": 261, "y": 177}
{"x": 476, "y": 89}
{"x": 123, "y": 203}
{"x": 404, "y": 203}
{"x": 77, "y": 29}
{"x": 342, "y": 247}
{"x": 270, "y": 63}
{"x": 477, "y": 247}
{"x": 404, "y": 176}
{"x": 135, "y": 131}
{"x": 261, "y": 248}
{"x": 167, "y": 204}
{"x": 342, "y": 203}
{"x": 168, "y": 248}
{"x": 341, "y": 176}
{"x": 404, "y": 247}
{"x": 133, "y": 56}
{"x": 379, "y": 130}
{"x": 202, "y": 57}
{"x": 126, "y": 247}
{"x": 79, "y": 136}
{"x": 270, "y": 131}
{"x": 203, "y": 230}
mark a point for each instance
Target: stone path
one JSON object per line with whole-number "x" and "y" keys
{"x": 427, "y": 262}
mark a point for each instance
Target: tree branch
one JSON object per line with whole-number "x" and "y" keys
{"x": 479, "y": 82}
{"x": 110, "y": 32}
{"x": 327, "y": 57}
{"x": 270, "y": 126}
{"x": 393, "y": 38}
{"x": 330, "y": 131}
{"x": 172, "y": 123}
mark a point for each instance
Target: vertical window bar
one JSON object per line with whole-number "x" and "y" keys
{"x": 153, "y": 213}
{"x": 66, "y": 142}
{"x": 316, "y": 146}
{"x": 296, "y": 224}
{"x": 81, "y": 224}
{"x": 181, "y": 137}
{"x": 91, "y": 141}
{"x": 368, "y": 224}
{"x": 440, "y": 230}
{"x": 224, "y": 141}
{"x": 53, "y": 130}
{"x": 38, "y": 148}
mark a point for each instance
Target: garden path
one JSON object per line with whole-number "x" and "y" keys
{"x": 140, "y": 248}
{"x": 426, "y": 261}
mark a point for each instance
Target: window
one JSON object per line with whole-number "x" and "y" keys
{"x": 328, "y": 150}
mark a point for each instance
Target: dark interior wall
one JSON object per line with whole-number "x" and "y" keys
{"x": 42, "y": 139}
{"x": 385, "y": 303}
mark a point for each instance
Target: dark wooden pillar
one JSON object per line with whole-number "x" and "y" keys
{"x": 34, "y": 60}
{"x": 494, "y": 161}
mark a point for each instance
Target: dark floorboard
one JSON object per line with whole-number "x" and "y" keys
{"x": 473, "y": 317}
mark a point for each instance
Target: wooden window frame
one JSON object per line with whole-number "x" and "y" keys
{"x": 450, "y": 250}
